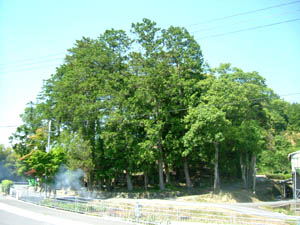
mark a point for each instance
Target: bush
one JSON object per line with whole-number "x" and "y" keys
{"x": 5, "y": 186}
{"x": 279, "y": 176}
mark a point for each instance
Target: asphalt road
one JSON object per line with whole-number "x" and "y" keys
{"x": 13, "y": 212}
{"x": 7, "y": 218}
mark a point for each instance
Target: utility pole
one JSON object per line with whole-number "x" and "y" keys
{"x": 49, "y": 134}
{"x": 47, "y": 150}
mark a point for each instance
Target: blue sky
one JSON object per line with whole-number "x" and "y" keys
{"x": 34, "y": 37}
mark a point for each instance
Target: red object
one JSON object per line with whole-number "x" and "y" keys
{"x": 32, "y": 171}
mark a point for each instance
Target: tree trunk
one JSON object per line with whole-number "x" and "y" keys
{"x": 247, "y": 170}
{"x": 253, "y": 172}
{"x": 160, "y": 166}
{"x": 160, "y": 151}
{"x": 146, "y": 180}
{"x": 243, "y": 170}
{"x": 217, "y": 178}
{"x": 108, "y": 184}
{"x": 161, "y": 174}
{"x": 92, "y": 131}
{"x": 129, "y": 183}
{"x": 186, "y": 173}
{"x": 168, "y": 178}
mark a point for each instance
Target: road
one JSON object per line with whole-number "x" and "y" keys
{"x": 11, "y": 218}
{"x": 14, "y": 212}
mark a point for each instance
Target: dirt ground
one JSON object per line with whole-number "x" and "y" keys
{"x": 231, "y": 192}
{"x": 266, "y": 190}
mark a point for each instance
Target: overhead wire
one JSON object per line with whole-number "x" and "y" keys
{"x": 243, "y": 13}
{"x": 20, "y": 66}
{"x": 248, "y": 29}
{"x": 200, "y": 38}
{"x": 199, "y": 23}
{"x": 33, "y": 63}
{"x": 8, "y": 126}
{"x": 29, "y": 69}
{"x": 185, "y": 109}
{"x": 30, "y": 59}
{"x": 244, "y": 21}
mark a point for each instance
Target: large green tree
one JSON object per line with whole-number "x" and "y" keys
{"x": 124, "y": 104}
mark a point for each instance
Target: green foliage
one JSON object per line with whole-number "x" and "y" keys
{"x": 45, "y": 165}
{"x": 7, "y": 163}
{"x": 294, "y": 117}
{"x": 274, "y": 160}
{"x": 5, "y": 186}
{"x": 279, "y": 176}
{"x": 134, "y": 104}
{"x": 77, "y": 152}
{"x": 206, "y": 124}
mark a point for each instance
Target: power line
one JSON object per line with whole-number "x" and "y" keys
{"x": 8, "y": 126}
{"x": 242, "y": 14}
{"x": 26, "y": 68}
{"x": 30, "y": 59}
{"x": 244, "y": 21}
{"x": 247, "y": 29}
{"x": 290, "y": 94}
{"x": 185, "y": 109}
{"x": 33, "y": 63}
{"x": 204, "y": 22}
{"x": 205, "y": 37}
{"x": 228, "y": 103}
{"x": 29, "y": 69}
{"x": 49, "y": 60}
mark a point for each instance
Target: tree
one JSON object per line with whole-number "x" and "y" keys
{"x": 147, "y": 102}
{"x": 206, "y": 124}
{"x": 250, "y": 141}
{"x": 78, "y": 153}
{"x": 152, "y": 86}
{"x": 244, "y": 98}
{"x": 293, "y": 114}
{"x": 42, "y": 165}
{"x": 185, "y": 62}
{"x": 24, "y": 137}
{"x": 274, "y": 160}
{"x": 7, "y": 164}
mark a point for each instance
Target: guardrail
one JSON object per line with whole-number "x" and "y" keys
{"x": 144, "y": 213}
{"x": 21, "y": 183}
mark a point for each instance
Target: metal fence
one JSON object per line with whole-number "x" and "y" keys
{"x": 143, "y": 213}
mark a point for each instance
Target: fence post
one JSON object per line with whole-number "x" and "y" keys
{"x": 75, "y": 202}
{"x": 233, "y": 219}
{"x": 137, "y": 210}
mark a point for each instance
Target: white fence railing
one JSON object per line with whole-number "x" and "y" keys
{"x": 143, "y": 213}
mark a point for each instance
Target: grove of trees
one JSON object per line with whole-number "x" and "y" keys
{"x": 146, "y": 104}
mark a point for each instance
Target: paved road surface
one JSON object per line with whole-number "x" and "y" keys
{"x": 13, "y": 212}
{"x": 7, "y": 218}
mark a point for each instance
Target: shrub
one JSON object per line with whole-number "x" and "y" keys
{"x": 5, "y": 186}
{"x": 279, "y": 176}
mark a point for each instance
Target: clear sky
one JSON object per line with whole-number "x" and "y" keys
{"x": 35, "y": 34}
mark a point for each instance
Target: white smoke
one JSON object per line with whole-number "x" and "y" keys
{"x": 67, "y": 179}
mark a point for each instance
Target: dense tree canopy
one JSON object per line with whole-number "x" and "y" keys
{"x": 145, "y": 103}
